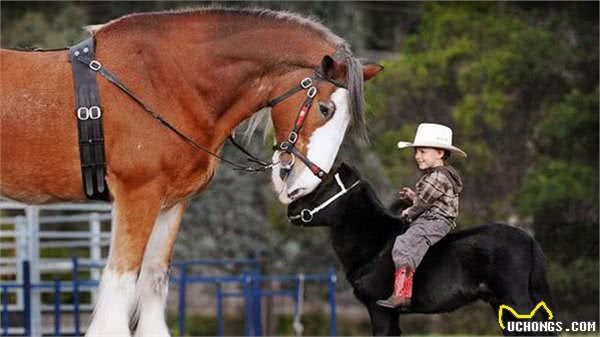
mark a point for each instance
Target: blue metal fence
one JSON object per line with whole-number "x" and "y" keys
{"x": 250, "y": 281}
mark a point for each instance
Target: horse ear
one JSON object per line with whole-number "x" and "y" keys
{"x": 370, "y": 70}
{"x": 332, "y": 69}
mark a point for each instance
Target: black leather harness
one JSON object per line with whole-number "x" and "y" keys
{"x": 89, "y": 122}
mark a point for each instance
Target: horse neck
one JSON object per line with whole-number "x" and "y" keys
{"x": 363, "y": 229}
{"x": 211, "y": 71}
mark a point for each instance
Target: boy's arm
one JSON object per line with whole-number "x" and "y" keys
{"x": 430, "y": 188}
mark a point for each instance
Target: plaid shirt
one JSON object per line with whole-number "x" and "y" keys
{"x": 437, "y": 196}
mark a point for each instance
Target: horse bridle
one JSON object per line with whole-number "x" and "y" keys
{"x": 306, "y": 215}
{"x": 287, "y": 146}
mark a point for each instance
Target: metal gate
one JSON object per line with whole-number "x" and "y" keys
{"x": 26, "y": 232}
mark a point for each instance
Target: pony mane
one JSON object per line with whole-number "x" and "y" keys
{"x": 354, "y": 77}
{"x": 377, "y": 203}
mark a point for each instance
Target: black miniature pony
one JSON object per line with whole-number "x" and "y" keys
{"x": 499, "y": 264}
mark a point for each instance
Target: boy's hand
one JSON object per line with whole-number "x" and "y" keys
{"x": 407, "y": 194}
{"x": 404, "y": 217}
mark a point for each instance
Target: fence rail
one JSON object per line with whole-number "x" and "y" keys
{"x": 30, "y": 232}
{"x": 250, "y": 282}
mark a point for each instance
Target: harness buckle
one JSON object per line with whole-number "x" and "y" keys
{"x": 95, "y": 65}
{"x": 287, "y": 165}
{"x": 293, "y": 137}
{"x": 312, "y": 92}
{"x": 95, "y": 112}
{"x": 306, "y": 215}
{"x": 83, "y": 113}
{"x": 306, "y": 83}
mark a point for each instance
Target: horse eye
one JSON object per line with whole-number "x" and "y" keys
{"x": 326, "y": 109}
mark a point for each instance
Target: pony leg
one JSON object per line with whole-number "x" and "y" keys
{"x": 384, "y": 321}
{"x": 153, "y": 283}
{"x": 521, "y": 306}
{"x": 134, "y": 213}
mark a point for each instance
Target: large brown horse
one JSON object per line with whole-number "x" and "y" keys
{"x": 205, "y": 71}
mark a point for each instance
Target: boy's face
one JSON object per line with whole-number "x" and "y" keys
{"x": 427, "y": 157}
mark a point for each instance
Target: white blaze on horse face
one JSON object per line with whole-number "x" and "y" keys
{"x": 323, "y": 147}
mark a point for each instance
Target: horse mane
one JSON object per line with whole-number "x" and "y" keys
{"x": 309, "y": 22}
{"x": 389, "y": 212}
{"x": 354, "y": 78}
{"x": 260, "y": 120}
{"x": 367, "y": 189}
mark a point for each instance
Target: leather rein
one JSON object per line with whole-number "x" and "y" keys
{"x": 288, "y": 145}
{"x": 307, "y": 214}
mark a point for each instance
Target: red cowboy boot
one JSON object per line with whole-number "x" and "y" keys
{"x": 402, "y": 288}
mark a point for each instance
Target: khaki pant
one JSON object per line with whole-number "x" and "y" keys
{"x": 410, "y": 247}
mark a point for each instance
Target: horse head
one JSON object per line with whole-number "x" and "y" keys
{"x": 310, "y": 127}
{"x": 327, "y": 203}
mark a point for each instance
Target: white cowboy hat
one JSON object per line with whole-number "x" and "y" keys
{"x": 433, "y": 135}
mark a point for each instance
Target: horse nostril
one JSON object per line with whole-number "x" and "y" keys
{"x": 283, "y": 173}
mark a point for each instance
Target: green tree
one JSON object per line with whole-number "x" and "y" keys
{"x": 561, "y": 193}
{"x": 486, "y": 69}
{"x": 42, "y": 29}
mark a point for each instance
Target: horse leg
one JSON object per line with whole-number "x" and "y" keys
{"x": 153, "y": 283}
{"x": 384, "y": 321}
{"x": 134, "y": 213}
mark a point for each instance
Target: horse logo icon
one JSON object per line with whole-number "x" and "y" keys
{"x": 523, "y": 316}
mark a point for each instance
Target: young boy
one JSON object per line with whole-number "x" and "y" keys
{"x": 434, "y": 207}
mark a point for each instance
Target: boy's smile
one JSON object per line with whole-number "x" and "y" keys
{"x": 428, "y": 157}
